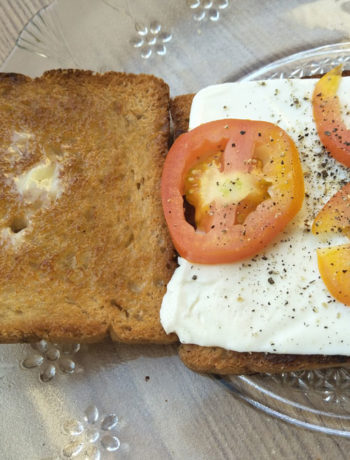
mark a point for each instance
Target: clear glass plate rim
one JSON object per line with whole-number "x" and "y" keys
{"x": 316, "y": 52}
{"x": 278, "y": 414}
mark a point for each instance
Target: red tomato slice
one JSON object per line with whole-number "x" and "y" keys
{"x": 327, "y": 114}
{"x": 247, "y": 184}
{"x": 334, "y": 262}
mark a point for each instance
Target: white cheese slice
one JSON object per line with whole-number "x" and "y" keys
{"x": 275, "y": 302}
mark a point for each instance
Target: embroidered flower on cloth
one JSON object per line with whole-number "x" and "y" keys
{"x": 207, "y": 9}
{"x": 93, "y": 436}
{"x": 151, "y": 39}
{"x": 51, "y": 358}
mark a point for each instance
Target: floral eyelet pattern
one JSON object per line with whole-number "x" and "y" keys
{"x": 92, "y": 436}
{"x": 50, "y": 358}
{"x": 151, "y": 39}
{"x": 207, "y": 9}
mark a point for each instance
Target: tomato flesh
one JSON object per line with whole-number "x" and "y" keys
{"x": 334, "y": 262}
{"x": 261, "y": 188}
{"x": 209, "y": 189}
{"x": 335, "y": 215}
{"x": 334, "y": 267}
{"x": 327, "y": 114}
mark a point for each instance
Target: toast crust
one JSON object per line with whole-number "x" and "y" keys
{"x": 218, "y": 360}
{"x": 90, "y": 261}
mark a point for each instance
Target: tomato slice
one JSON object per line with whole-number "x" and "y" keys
{"x": 327, "y": 114}
{"x": 334, "y": 267}
{"x": 245, "y": 181}
{"x": 334, "y": 262}
{"x": 335, "y": 214}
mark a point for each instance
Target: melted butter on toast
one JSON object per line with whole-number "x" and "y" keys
{"x": 40, "y": 182}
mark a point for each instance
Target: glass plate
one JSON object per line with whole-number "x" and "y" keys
{"x": 320, "y": 399}
{"x": 95, "y": 401}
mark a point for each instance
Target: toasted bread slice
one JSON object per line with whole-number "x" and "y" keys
{"x": 84, "y": 249}
{"x": 218, "y": 360}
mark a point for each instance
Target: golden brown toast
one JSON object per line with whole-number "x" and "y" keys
{"x": 218, "y": 360}
{"x": 84, "y": 249}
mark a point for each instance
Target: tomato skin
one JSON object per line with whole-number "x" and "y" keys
{"x": 335, "y": 215}
{"x": 334, "y": 267}
{"x": 327, "y": 114}
{"x": 334, "y": 262}
{"x": 230, "y": 242}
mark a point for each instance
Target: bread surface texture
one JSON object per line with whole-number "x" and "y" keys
{"x": 218, "y": 360}
{"x": 90, "y": 256}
